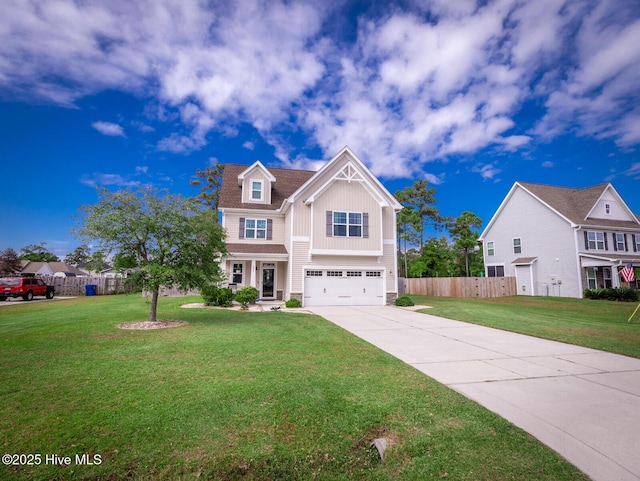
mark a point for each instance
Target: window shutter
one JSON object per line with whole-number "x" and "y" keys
{"x": 626, "y": 246}
{"x": 615, "y": 240}
{"x": 586, "y": 240}
{"x": 606, "y": 244}
{"x": 269, "y": 229}
{"x": 241, "y": 233}
{"x": 329, "y": 223}
{"x": 365, "y": 225}
{"x": 633, "y": 241}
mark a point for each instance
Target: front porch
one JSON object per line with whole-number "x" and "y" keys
{"x": 599, "y": 272}
{"x": 265, "y": 269}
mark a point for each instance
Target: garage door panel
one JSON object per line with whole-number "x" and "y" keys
{"x": 355, "y": 290}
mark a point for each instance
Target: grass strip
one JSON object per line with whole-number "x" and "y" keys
{"x": 596, "y": 324}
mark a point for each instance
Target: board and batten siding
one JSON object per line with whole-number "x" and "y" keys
{"x": 347, "y": 197}
{"x": 256, "y": 174}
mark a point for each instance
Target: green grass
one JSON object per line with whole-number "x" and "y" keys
{"x": 596, "y": 324}
{"x": 235, "y": 395}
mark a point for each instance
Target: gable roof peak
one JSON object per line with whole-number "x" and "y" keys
{"x": 259, "y": 165}
{"x": 575, "y": 204}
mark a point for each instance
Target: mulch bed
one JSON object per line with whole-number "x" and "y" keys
{"x": 144, "y": 325}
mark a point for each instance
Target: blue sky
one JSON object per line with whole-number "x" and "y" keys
{"x": 471, "y": 96}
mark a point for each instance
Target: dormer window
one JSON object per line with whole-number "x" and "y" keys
{"x": 256, "y": 190}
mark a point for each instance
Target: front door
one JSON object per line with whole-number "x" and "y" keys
{"x": 268, "y": 284}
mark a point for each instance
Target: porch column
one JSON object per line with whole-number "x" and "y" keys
{"x": 253, "y": 273}
{"x": 615, "y": 277}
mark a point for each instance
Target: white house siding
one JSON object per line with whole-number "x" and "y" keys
{"x": 389, "y": 262}
{"x": 302, "y": 219}
{"x": 350, "y": 197}
{"x": 616, "y": 211}
{"x": 232, "y": 224}
{"x": 256, "y": 174}
{"x": 544, "y": 235}
{"x": 299, "y": 257}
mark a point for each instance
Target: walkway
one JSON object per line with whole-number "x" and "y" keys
{"x": 583, "y": 403}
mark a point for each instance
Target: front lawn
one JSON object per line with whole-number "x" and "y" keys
{"x": 584, "y": 322}
{"x": 234, "y": 395}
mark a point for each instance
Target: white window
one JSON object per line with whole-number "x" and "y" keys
{"x": 517, "y": 246}
{"x": 374, "y": 274}
{"x": 256, "y": 190}
{"x": 637, "y": 240}
{"x": 255, "y": 229}
{"x": 347, "y": 224}
{"x": 606, "y": 272}
{"x": 620, "y": 242}
{"x": 596, "y": 240}
{"x": 314, "y": 273}
{"x": 237, "y": 273}
{"x": 491, "y": 250}
{"x": 334, "y": 273}
{"x": 591, "y": 279}
{"x": 607, "y": 209}
{"x": 354, "y": 273}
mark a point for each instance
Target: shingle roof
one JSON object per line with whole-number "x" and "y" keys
{"x": 33, "y": 267}
{"x": 524, "y": 261}
{"x": 575, "y": 204}
{"x": 287, "y": 182}
{"x": 256, "y": 249}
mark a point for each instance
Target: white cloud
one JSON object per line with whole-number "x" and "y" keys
{"x": 633, "y": 171}
{"x": 487, "y": 171}
{"x": 411, "y": 89}
{"x": 599, "y": 88}
{"x": 547, "y": 164}
{"x": 101, "y": 179}
{"x": 109, "y": 128}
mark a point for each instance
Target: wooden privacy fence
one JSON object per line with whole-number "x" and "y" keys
{"x": 459, "y": 286}
{"x": 75, "y": 286}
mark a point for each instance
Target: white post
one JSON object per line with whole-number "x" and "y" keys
{"x": 253, "y": 273}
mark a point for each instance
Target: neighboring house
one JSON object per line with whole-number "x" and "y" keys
{"x": 559, "y": 241}
{"x": 58, "y": 269}
{"x": 324, "y": 238}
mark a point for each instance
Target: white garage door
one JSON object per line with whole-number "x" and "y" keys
{"x": 334, "y": 287}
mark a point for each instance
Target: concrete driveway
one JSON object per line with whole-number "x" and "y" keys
{"x": 583, "y": 403}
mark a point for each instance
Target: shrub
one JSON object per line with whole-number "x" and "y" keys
{"x": 225, "y": 297}
{"x": 404, "y": 301}
{"x": 209, "y": 295}
{"x": 215, "y": 296}
{"x": 628, "y": 295}
{"x": 293, "y": 302}
{"x": 612, "y": 294}
{"x": 246, "y": 295}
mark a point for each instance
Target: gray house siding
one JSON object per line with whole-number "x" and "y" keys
{"x": 544, "y": 235}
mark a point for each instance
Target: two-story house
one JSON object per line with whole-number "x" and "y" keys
{"x": 560, "y": 241}
{"x": 324, "y": 238}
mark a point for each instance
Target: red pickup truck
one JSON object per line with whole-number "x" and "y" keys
{"x": 25, "y": 287}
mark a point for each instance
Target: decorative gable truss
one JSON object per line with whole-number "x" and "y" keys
{"x": 349, "y": 173}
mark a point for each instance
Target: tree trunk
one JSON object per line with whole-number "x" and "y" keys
{"x": 154, "y": 304}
